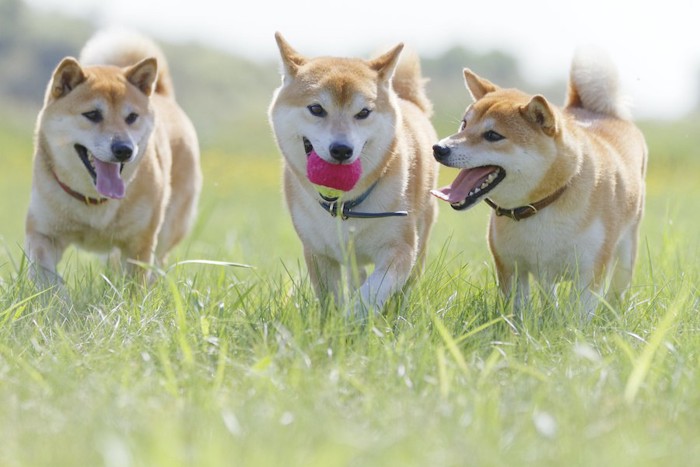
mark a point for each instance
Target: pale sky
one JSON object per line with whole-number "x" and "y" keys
{"x": 656, "y": 44}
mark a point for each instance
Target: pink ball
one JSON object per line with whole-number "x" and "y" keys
{"x": 341, "y": 177}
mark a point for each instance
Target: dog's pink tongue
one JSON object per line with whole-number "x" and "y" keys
{"x": 109, "y": 180}
{"x": 466, "y": 181}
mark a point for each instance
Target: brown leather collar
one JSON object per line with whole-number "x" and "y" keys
{"x": 79, "y": 196}
{"x": 523, "y": 212}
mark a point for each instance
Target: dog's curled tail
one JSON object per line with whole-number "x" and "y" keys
{"x": 123, "y": 48}
{"x": 408, "y": 81}
{"x": 594, "y": 84}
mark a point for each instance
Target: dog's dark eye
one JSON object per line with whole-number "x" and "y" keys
{"x": 95, "y": 116}
{"x": 491, "y": 136}
{"x": 317, "y": 111}
{"x": 362, "y": 114}
{"x": 462, "y": 125}
{"x": 131, "y": 118}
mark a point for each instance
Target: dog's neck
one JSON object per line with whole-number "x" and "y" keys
{"x": 529, "y": 210}
{"x": 344, "y": 209}
{"x": 42, "y": 153}
{"x": 79, "y": 196}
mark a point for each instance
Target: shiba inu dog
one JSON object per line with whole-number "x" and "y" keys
{"x": 372, "y": 115}
{"x": 116, "y": 162}
{"x": 566, "y": 185}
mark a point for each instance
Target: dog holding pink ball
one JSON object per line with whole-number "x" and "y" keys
{"x": 356, "y": 140}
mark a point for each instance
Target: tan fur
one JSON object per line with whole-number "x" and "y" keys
{"x": 393, "y": 142}
{"x": 590, "y": 232}
{"x": 162, "y": 178}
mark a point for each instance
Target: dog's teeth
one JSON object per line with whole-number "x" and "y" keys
{"x": 485, "y": 184}
{"x": 476, "y": 190}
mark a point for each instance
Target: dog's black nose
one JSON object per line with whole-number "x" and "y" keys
{"x": 440, "y": 152}
{"x": 341, "y": 152}
{"x": 122, "y": 151}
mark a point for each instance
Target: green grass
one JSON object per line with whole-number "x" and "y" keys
{"x": 218, "y": 365}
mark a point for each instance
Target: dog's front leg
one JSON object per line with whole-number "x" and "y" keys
{"x": 325, "y": 276}
{"x": 514, "y": 284}
{"x": 390, "y": 274}
{"x": 590, "y": 291}
{"x": 44, "y": 254}
{"x": 140, "y": 250}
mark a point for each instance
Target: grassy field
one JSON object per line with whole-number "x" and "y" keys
{"x": 230, "y": 366}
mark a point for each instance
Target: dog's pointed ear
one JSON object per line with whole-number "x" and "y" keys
{"x": 386, "y": 63}
{"x": 291, "y": 59}
{"x": 67, "y": 75}
{"x": 539, "y": 112}
{"x": 477, "y": 86}
{"x": 143, "y": 75}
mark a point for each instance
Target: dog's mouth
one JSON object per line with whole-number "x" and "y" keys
{"x": 87, "y": 159}
{"x": 470, "y": 186}
{"x": 308, "y": 147}
{"x": 106, "y": 176}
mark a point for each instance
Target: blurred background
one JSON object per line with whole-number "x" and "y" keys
{"x": 225, "y": 66}
{"x": 225, "y": 61}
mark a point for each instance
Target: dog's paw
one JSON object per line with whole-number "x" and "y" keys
{"x": 358, "y": 310}
{"x": 44, "y": 278}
